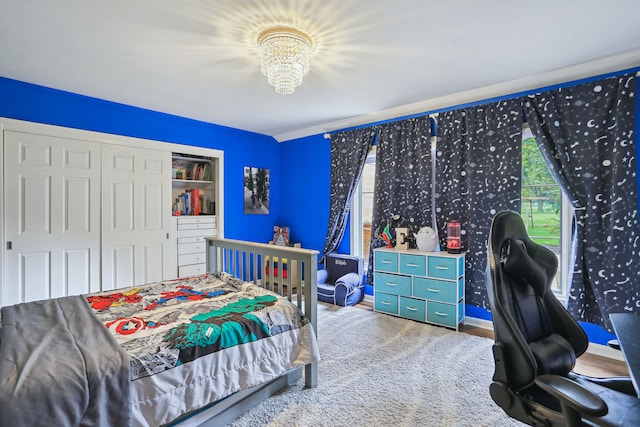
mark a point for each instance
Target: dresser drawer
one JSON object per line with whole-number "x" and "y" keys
{"x": 198, "y": 232}
{"x": 185, "y": 222}
{"x": 197, "y": 239}
{"x": 443, "y": 268}
{"x": 444, "y": 314}
{"x": 192, "y": 270}
{"x": 195, "y": 226}
{"x": 413, "y": 308}
{"x": 189, "y": 259}
{"x": 386, "y": 302}
{"x": 415, "y": 265}
{"x": 392, "y": 283}
{"x": 192, "y": 248}
{"x": 437, "y": 290}
{"x": 386, "y": 261}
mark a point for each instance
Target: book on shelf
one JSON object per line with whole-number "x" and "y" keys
{"x": 178, "y": 170}
{"x": 197, "y": 171}
{"x": 188, "y": 203}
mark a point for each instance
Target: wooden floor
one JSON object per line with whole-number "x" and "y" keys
{"x": 587, "y": 364}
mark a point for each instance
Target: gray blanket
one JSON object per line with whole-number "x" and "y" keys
{"x": 59, "y": 366}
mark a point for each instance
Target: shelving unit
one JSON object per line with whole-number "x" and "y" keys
{"x": 193, "y": 175}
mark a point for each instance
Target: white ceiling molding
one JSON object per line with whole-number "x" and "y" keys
{"x": 594, "y": 68}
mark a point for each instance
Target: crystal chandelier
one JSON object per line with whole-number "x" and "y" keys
{"x": 285, "y": 57}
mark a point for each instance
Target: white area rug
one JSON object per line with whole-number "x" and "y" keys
{"x": 380, "y": 370}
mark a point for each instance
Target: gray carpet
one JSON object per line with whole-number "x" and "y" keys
{"x": 380, "y": 370}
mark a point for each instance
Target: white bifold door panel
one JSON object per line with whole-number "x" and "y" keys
{"x": 51, "y": 217}
{"x": 136, "y": 216}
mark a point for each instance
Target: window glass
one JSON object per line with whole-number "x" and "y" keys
{"x": 362, "y": 210}
{"x": 543, "y": 208}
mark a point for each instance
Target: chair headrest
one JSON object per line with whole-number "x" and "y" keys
{"x": 516, "y": 259}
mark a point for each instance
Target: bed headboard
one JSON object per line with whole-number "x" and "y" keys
{"x": 249, "y": 261}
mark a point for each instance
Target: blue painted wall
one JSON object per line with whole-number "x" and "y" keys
{"x": 304, "y": 189}
{"x": 299, "y": 169}
{"x": 23, "y": 101}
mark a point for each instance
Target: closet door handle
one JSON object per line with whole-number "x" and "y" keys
{"x": 9, "y": 246}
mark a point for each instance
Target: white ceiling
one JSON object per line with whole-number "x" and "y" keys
{"x": 373, "y": 59}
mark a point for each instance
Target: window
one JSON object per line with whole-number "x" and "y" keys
{"x": 362, "y": 209}
{"x": 545, "y": 210}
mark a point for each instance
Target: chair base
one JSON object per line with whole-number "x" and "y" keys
{"x": 340, "y": 295}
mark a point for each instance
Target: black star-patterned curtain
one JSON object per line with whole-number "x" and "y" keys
{"x": 478, "y": 174}
{"x": 348, "y": 155}
{"x": 587, "y": 136}
{"x": 403, "y": 179}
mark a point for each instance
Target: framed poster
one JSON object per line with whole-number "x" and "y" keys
{"x": 256, "y": 191}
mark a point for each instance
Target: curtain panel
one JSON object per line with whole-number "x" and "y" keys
{"x": 348, "y": 155}
{"x": 478, "y": 174}
{"x": 587, "y": 136}
{"x": 403, "y": 179}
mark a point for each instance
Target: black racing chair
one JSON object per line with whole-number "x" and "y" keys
{"x": 537, "y": 341}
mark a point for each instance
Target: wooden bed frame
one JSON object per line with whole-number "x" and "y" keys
{"x": 248, "y": 262}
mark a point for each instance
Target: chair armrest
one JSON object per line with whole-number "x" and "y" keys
{"x": 572, "y": 395}
{"x": 322, "y": 276}
{"x": 350, "y": 280}
{"x": 621, "y": 384}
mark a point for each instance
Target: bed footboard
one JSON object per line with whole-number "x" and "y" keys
{"x": 248, "y": 261}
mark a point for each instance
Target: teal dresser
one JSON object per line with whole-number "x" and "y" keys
{"x": 423, "y": 286}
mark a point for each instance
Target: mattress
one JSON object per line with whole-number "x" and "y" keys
{"x": 197, "y": 340}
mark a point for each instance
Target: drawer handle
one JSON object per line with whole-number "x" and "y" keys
{"x": 385, "y": 261}
{"x": 391, "y": 284}
{"x": 439, "y": 267}
{"x": 412, "y": 309}
{"x": 385, "y": 303}
{"x": 433, "y": 290}
{"x": 411, "y": 265}
{"x": 441, "y": 314}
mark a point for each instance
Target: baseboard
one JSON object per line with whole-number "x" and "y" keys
{"x": 605, "y": 351}
{"x": 594, "y": 349}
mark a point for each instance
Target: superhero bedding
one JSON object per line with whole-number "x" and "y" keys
{"x": 145, "y": 355}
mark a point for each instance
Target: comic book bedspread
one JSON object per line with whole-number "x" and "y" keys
{"x": 165, "y": 324}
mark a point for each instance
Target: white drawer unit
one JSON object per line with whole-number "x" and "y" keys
{"x": 423, "y": 286}
{"x": 192, "y": 249}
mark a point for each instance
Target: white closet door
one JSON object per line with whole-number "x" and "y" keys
{"x": 136, "y": 216}
{"x": 52, "y": 211}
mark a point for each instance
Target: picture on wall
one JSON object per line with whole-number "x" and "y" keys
{"x": 256, "y": 191}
